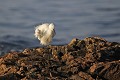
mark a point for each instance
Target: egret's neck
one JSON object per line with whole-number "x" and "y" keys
{"x": 51, "y": 26}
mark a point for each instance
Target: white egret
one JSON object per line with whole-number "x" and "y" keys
{"x": 45, "y": 33}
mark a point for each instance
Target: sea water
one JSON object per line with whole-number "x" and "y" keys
{"x": 72, "y": 19}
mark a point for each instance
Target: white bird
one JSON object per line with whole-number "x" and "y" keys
{"x": 45, "y": 33}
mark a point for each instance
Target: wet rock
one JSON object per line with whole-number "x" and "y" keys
{"x": 93, "y": 58}
{"x": 106, "y": 70}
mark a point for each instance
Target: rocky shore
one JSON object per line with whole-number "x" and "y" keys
{"x": 93, "y": 58}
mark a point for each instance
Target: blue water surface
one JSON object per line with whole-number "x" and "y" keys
{"x": 72, "y": 19}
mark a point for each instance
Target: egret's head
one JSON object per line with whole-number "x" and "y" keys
{"x": 51, "y": 26}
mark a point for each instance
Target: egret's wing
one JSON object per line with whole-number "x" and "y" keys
{"x": 38, "y": 34}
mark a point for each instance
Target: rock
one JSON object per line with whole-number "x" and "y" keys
{"x": 106, "y": 70}
{"x": 85, "y": 76}
{"x": 93, "y": 58}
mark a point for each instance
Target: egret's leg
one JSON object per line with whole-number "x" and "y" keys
{"x": 44, "y": 46}
{"x": 48, "y": 46}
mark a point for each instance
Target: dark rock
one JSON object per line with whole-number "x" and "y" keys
{"x": 106, "y": 70}
{"x": 93, "y": 58}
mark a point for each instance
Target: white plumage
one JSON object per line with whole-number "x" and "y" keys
{"x": 45, "y": 33}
